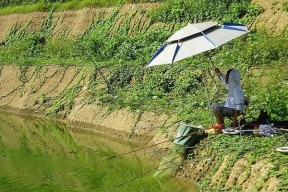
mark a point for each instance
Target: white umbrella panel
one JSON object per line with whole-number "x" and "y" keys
{"x": 211, "y": 37}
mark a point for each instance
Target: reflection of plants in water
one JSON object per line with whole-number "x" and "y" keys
{"x": 62, "y": 134}
{"x": 2, "y": 148}
{"x": 44, "y": 161}
{"x": 96, "y": 179}
{"x": 65, "y": 101}
{"x": 55, "y": 134}
{"x": 24, "y": 144}
{"x": 48, "y": 183}
{"x": 47, "y": 174}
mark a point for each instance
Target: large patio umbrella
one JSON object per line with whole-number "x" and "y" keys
{"x": 194, "y": 39}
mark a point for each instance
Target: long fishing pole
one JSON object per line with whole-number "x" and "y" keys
{"x": 122, "y": 154}
{"x": 137, "y": 177}
{"x": 156, "y": 127}
{"x": 155, "y": 168}
{"x": 205, "y": 144}
{"x": 102, "y": 160}
{"x": 198, "y": 159}
{"x": 159, "y": 152}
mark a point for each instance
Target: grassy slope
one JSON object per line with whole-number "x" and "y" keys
{"x": 260, "y": 57}
{"x": 15, "y": 6}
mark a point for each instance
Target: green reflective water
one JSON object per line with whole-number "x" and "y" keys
{"x": 41, "y": 155}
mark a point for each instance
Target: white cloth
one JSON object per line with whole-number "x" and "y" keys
{"x": 235, "y": 97}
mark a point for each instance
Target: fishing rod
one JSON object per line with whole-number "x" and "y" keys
{"x": 157, "y": 168}
{"x": 102, "y": 160}
{"x": 145, "y": 173}
{"x": 157, "y": 127}
{"x": 159, "y": 152}
{"x": 154, "y": 169}
{"x": 120, "y": 185}
{"x": 112, "y": 157}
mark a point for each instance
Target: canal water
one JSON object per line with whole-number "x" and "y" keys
{"x": 42, "y": 155}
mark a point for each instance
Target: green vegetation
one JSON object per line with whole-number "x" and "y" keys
{"x": 6, "y": 3}
{"x": 119, "y": 53}
{"x": 252, "y": 150}
{"x": 177, "y": 89}
{"x": 285, "y": 5}
{"x": 48, "y": 156}
{"x": 18, "y": 6}
{"x": 239, "y": 11}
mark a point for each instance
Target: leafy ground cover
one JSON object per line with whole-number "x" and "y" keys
{"x": 248, "y": 148}
{"x": 176, "y": 89}
{"x": 18, "y": 6}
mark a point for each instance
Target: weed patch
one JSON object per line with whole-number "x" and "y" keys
{"x": 175, "y": 90}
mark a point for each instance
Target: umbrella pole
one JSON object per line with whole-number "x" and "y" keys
{"x": 207, "y": 97}
{"x": 211, "y": 61}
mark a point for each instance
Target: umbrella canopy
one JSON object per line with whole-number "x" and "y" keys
{"x": 194, "y": 39}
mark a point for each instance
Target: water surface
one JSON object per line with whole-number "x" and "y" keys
{"x": 42, "y": 155}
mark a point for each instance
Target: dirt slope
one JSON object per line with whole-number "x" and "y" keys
{"x": 273, "y": 19}
{"x": 36, "y": 89}
{"x": 76, "y": 22}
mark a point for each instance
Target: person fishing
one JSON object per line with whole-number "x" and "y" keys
{"x": 234, "y": 103}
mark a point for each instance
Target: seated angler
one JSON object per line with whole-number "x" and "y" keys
{"x": 234, "y": 103}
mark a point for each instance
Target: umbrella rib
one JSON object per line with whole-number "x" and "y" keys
{"x": 234, "y": 28}
{"x": 157, "y": 53}
{"x": 189, "y": 41}
{"x": 176, "y": 51}
{"x": 208, "y": 39}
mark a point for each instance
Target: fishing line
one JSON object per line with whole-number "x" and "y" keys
{"x": 112, "y": 157}
{"x": 166, "y": 149}
{"x": 123, "y": 154}
{"x": 157, "y": 127}
{"x": 159, "y": 152}
{"x": 102, "y": 160}
{"x": 10, "y": 188}
{"x": 157, "y": 169}
{"x": 141, "y": 175}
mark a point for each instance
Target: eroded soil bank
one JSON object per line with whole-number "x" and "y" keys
{"x": 273, "y": 19}
{"x": 37, "y": 154}
{"x": 38, "y": 91}
{"x": 43, "y": 91}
